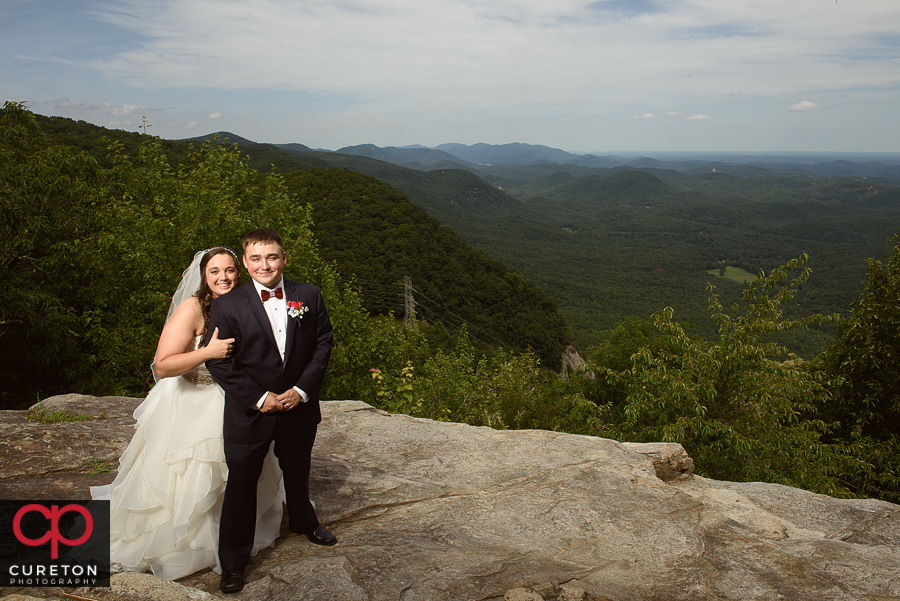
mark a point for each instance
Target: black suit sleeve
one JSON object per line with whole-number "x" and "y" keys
{"x": 228, "y": 373}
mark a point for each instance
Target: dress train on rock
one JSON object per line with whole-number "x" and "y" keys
{"x": 166, "y": 501}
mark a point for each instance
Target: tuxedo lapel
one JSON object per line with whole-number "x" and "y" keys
{"x": 254, "y": 302}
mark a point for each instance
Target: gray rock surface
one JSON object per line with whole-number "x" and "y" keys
{"x": 433, "y": 510}
{"x": 56, "y": 460}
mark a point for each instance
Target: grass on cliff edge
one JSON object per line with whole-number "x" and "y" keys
{"x": 40, "y": 414}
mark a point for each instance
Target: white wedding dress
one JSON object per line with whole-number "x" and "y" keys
{"x": 166, "y": 500}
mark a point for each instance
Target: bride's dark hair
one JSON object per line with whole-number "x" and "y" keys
{"x": 204, "y": 294}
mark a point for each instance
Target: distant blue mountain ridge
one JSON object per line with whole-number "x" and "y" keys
{"x": 519, "y": 154}
{"x": 475, "y": 156}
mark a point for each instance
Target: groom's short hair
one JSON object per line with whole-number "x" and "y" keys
{"x": 263, "y": 236}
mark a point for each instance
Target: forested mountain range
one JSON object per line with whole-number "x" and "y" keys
{"x": 609, "y": 243}
{"x": 377, "y": 236}
{"x": 477, "y": 156}
{"x": 613, "y": 237}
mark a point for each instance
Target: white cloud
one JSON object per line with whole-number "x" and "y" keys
{"x": 398, "y": 71}
{"x": 127, "y": 109}
{"x": 805, "y": 105}
{"x": 214, "y": 115}
{"x": 698, "y": 118}
{"x": 534, "y": 51}
{"x": 191, "y": 125}
{"x": 75, "y": 107}
{"x": 64, "y": 103}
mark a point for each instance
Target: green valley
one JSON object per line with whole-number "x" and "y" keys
{"x": 609, "y": 244}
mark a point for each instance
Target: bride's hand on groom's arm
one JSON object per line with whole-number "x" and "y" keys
{"x": 177, "y": 352}
{"x": 219, "y": 348}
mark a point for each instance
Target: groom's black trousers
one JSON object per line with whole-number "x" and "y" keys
{"x": 237, "y": 527}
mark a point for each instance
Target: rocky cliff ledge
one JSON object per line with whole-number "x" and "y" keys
{"x": 432, "y": 510}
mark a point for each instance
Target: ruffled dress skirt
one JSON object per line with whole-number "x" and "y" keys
{"x": 166, "y": 500}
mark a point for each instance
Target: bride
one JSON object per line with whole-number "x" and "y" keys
{"x": 166, "y": 500}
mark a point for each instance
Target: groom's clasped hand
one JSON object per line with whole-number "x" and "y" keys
{"x": 282, "y": 402}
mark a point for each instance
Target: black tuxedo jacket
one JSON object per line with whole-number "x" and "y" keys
{"x": 255, "y": 365}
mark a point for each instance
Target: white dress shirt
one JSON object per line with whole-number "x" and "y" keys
{"x": 276, "y": 310}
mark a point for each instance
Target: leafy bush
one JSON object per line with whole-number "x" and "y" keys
{"x": 864, "y": 361}
{"x": 742, "y": 406}
{"x": 502, "y": 391}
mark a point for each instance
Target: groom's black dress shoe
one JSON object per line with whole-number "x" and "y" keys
{"x": 321, "y": 536}
{"x": 232, "y": 582}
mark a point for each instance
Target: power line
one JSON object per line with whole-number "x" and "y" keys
{"x": 393, "y": 296}
{"x": 500, "y": 342}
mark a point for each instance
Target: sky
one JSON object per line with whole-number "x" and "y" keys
{"x": 598, "y": 76}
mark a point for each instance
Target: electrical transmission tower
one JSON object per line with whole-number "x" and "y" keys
{"x": 409, "y": 320}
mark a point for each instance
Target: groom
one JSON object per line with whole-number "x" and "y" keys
{"x": 283, "y": 341}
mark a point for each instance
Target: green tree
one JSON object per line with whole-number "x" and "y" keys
{"x": 864, "y": 361}
{"x": 742, "y": 406}
{"x": 47, "y": 197}
{"x": 90, "y": 256}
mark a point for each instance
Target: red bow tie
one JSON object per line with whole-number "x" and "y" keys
{"x": 266, "y": 295}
